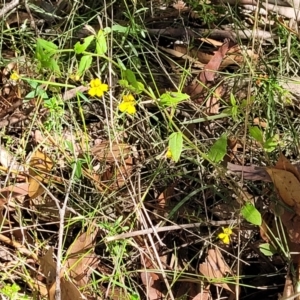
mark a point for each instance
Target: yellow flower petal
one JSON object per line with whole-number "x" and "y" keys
{"x": 227, "y": 231}
{"x": 128, "y": 98}
{"x": 225, "y": 235}
{"x": 224, "y": 238}
{"x": 103, "y": 87}
{"x": 131, "y": 109}
{"x": 95, "y": 82}
{"x": 97, "y": 88}
{"x": 92, "y": 91}
{"x": 14, "y": 76}
{"x": 169, "y": 154}
{"x": 128, "y": 107}
{"x": 123, "y": 106}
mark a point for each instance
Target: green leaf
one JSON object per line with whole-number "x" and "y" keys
{"x": 267, "y": 249}
{"x": 251, "y": 214}
{"x": 232, "y": 100}
{"x": 271, "y": 144}
{"x": 172, "y": 98}
{"x": 51, "y": 64}
{"x": 101, "y": 46}
{"x": 130, "y": 76}
{"x": 120, "y": 29}
{"x": 137, "y": 90}
{"x": 175, "y": 145}
{"x": 121, "y": 64}
{"x": 257, "y": 134}
{"x": 84, "y": 64}
{"x": 49, "y": 47}
{"x": 79, "y": 48}
{"x": 77, "y": 165}
{"x": 218, "y": 150}
{"x": 123, "y": 83}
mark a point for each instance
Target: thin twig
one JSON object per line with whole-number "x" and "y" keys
{"x": 62, "y": 212}
{"x": 166, "y": 228}
{"x": 8, "y": 7}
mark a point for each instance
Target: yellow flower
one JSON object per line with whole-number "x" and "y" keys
{"x": 97, "y": 88}
{"x": 169, "y": 154}
{"x": 15, "y": 76}
{"x": 225, "y": 235}
{"x": 128, "y": 104}
{"x": 128, "y": 98}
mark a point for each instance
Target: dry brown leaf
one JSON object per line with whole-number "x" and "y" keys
{"x": 115, "y": 176}
{"x": 68, "y": 290}
{"x": 21, "y": 248}
{"x": 211, "y": 42}
{"x": 164, "y": 198}
{"x": 48, "y": 267}
{"x": 214, "y": 268}
{"x": 13, "y": 191}
{"x": 287, "y": 186}
{"x": 291, "y": 222}
{"x": 152, "y": 281}
{"x": 110, "y": 152}
{"x": 7, "y": 160}
{"x": 183, "y": 52}
{"x": 81, "y": 258}
{"x": 192, "y": 290}
{"x": 250, "y": 172}
{"x": 39, "y": 167}
{"x": 284, "y": 164}
{"x": 213, "y": 104}
{"x": 208, "y": 74}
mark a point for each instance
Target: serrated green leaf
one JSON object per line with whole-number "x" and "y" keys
{"x": 257, "y": 134}
{"x": 101, "y": 46}
{"x": 267, "y": 249}
{"x": 172, "y": 98}
{"x": 175, "y": 145}
{"x": 218, "y": 150}
{"x": 84, "y": 64}
{"x": 251, "y": 214}
{"x": 79, "y": 48}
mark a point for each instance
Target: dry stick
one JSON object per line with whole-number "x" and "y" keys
{"x": 22, "y": 249}
{"x": 166, "y": 228}
{"x": 8, "y": 7}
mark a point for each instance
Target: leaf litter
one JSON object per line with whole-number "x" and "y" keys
{"x": 118, "y": 189}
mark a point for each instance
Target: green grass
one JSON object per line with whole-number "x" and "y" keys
{"x": 126, "y": 58}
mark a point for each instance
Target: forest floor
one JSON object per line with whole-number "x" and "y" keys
{"x": 149, "y": 149}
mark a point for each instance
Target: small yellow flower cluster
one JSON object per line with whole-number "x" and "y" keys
{"x": 225, "y": 235}
{"x": 128, "y": 104}
{"x": 14, "y": 76}
{"x": 97, "y": 88}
